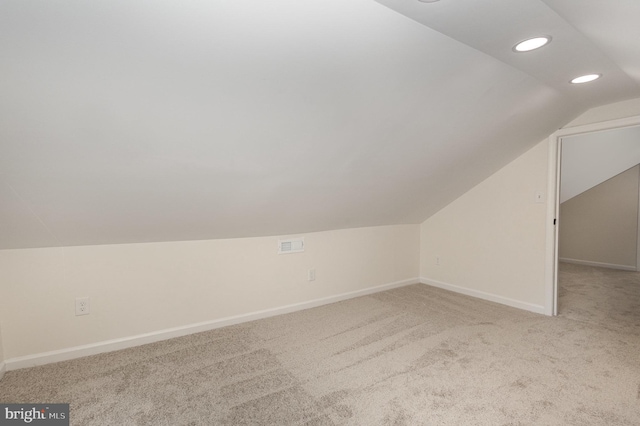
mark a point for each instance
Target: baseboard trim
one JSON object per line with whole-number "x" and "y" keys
{"x": 538, "y": 309}
{"x": 156, "y": 336}
{"x": 3, "y": 369}
{"x": 598, "y": 264}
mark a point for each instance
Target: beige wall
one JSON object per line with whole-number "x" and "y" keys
{"x": 144, "y": 288}
{"x": 491, "y": 241}
{"x": 2, "y": 367}
{"x": 600, "y": 226}
{"x": 615, "y": 111}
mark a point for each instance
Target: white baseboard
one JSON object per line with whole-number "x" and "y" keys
{"x": 3, "y": 369}
{"x": 598, "y": 264}
{"x": 156, "y": 336}
{"x": 538, "y": 309}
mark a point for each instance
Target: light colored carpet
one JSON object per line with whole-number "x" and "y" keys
{"x": 410, "y": 356}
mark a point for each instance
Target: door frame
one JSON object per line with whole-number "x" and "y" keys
{"x": 553, "y": 201}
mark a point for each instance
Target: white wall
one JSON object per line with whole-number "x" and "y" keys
{"x": 600, "y": 226}
{"x": 145, "y": 288}
{"x": 491, "y": 241}
{"x": 591, "y": 158}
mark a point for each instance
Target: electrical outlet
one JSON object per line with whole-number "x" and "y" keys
{"x": 82, "y": 306}
{"x": 437, "y": 260}
{"x": 311, "y": 276}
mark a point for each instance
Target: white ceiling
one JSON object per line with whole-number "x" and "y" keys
{"x": 136, "y": 121}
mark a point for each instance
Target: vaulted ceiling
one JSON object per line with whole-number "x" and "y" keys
{"x": 137, "y": 121}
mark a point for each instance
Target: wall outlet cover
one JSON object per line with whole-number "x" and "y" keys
{"x": 83, "y": 306}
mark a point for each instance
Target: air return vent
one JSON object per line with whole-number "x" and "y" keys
{"x": 295, "y": 245}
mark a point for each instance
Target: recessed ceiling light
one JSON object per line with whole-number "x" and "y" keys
{"x": 586, "y": 78}
{"x": 531, "y": 44}
{"x": 428, "y": 1}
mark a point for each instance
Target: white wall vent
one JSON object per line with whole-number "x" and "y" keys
{"x": 295, "y": 245}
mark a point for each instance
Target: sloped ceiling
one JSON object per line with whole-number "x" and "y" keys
{"x": 136, "y": 121}
{"x": 588, "y": 159}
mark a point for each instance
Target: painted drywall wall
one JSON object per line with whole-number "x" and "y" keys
{"x": 143, "y": 288}
{"x": 602, "y": 118}
{"x": 591, "y": 158}
{"x": 2, "y": 366}
{"x": 608, "y": 112}
{"x": 600, "y": 226}
{"x": 491, "y": 241}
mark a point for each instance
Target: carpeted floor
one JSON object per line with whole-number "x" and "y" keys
{"x": 410, "y": 356}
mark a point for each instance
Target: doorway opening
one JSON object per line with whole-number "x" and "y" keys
{"x": 581, "y": 178}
